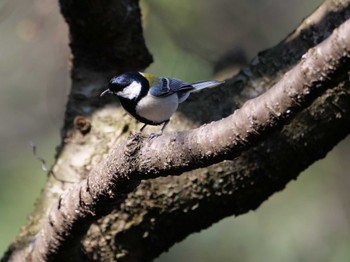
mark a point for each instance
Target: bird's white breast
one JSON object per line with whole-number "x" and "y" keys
{"x": 157, "y": 109}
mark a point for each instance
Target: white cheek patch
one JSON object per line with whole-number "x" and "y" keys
{"x": 131, "y": 91}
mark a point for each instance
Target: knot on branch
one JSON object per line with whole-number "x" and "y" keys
{"x": 82, "y": 124}
{"x": 133, "y": 145}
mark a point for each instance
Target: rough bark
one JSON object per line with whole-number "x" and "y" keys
{"x": 163, "y": 211}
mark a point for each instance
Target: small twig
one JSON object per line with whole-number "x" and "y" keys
{"x": 44, "y": 167}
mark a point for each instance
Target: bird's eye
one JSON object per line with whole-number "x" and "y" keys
{"x": 116, "y": 87}
{"x": 118, "y": 83}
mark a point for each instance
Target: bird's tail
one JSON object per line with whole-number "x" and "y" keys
{"x": 205, "y": 84}
{"x": 192, "y": 87}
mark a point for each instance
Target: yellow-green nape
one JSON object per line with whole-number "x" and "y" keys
{"x": 150, "y": 78}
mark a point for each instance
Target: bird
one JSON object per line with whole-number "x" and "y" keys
{"x": 150, "y": 99}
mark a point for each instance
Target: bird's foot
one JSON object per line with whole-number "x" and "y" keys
{"x": 136, "y": 136}
{"x": 154, "y": 135}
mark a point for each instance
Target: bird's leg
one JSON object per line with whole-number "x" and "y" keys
{"x": 139, "y": 133}
{"x": 153, "y": 135}
{"x": 143, "y": 127}
{"x": 164, "y": 125}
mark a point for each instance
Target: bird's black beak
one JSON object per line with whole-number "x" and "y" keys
{"x": 107, "y": 91}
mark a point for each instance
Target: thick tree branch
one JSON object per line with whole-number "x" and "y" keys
{"x": 322, "y": 67}
{"x": 164, "y": 211}
{"x": 194, "y": 201}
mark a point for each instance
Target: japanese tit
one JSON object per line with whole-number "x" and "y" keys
{"x": 152, "y": 100}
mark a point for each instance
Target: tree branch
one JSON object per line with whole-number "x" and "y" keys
{"x": 164, "y": 211}
{"x": 322, "y": 67}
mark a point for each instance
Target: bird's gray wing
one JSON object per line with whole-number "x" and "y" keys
{"x": 168, "y": 86}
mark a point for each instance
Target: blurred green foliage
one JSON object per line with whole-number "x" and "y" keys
{"x": 308, "y": 221}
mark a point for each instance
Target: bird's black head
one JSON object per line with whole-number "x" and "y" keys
{"x": 117, "y": 84}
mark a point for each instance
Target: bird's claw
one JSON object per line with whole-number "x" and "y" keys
{"x": 136, "y": 135}
{"x": 154, "y": 135}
